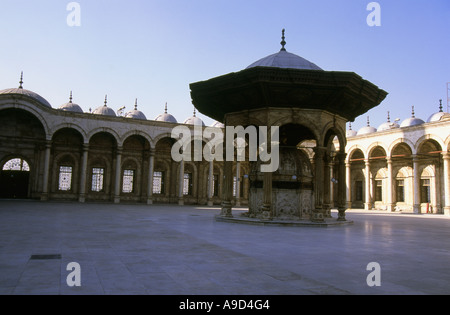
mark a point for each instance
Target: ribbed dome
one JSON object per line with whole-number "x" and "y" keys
{"x": 135, "y": 113}
{"x": 70, "y": 106}
{"x": 166, "y": 117}
{"x": 29, "y": 94}
{"x": 413, "y": 121}
{"x": 194, "y": 120}
{"x": 104, "y": 110}
{"x": 284, "y": 59}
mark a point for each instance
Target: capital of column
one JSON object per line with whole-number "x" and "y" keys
{"x": 446, "y": 156}
{"x": 152, "y": 152}
{"x": 85, "y": 147}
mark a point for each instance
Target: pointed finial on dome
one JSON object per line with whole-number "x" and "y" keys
{"x": 413, "y": 113}
{"x": 389, "y": 117}
{"x": 350, "y": 126}
{"x": 283, "y": 42}
{"x": 440, "y": 106}
{"x": 70, "y": 97}
{"x": 135, "y": 105}
{"x": 368, "y": 121}
{"x": 21, "y": 80}
{"x": 106, "y": 100}
{"x": 194, "y": 111}
{"x": 165, "y": 109}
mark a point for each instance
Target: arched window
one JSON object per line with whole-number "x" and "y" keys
{"x": 16, "y": 164}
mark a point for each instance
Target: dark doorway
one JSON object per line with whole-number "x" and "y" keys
{"x": 14, "y": 179}
{"x": 14, "y": 184}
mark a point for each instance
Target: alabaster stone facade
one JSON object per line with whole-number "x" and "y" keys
{"x": 402, "y": 168}
{"x": 71, "y": 155}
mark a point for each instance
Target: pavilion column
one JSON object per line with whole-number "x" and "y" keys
{"x": 446, "y": 157}
{"x": 368, "y": 201}
{"x": 348, "y": 184}
{"x": 83, "y": 175}
{"x": 317, "y": 214}
{"x": 416, "y": 190}
{"x": 211, "y": 183}
{"x": 227, "y": 189}
{"x": 118, "y": 173}
{"x": 181, "y": 183}
{"x": 267, "y": 196}
{"x": 48, "y": 146}
{"x": 151, "y": 167}
{"x": 342, "y": 186}
{"x": 390, "y": 187}
{"x": 326, "y": 188}
{"x": 238, "y": 183}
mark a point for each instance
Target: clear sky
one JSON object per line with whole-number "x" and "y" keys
{"x": 151, "y": 50}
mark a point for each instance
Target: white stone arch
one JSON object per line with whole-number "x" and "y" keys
{"x": 374, "y": 145}
{"x": 398, "y": 141}
{"x": 135, "y": 132}
{"x": 447, "y": 144}
{"x": 352, "y": 149}
{"x": 339, "y": 133}
{"x": 426, "y": 137}
{"x": 32, "y": 109}
{"x": 160, "y": 136}
{"x": 111, "y": 131}
{"x": 58, "y": 127}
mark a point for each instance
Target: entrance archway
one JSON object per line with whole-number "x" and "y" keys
{"x": 14, "y": 179}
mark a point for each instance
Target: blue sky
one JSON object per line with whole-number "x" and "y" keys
{"x": 152, "y": 50}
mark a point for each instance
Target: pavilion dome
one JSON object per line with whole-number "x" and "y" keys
{"x": 27, "y": 93}
{"x": 284, "y": 59}
{"x": 104, "y": 110}
{"x": 166, "y": 117}
{"x": 439, "y": 115}
{"x": 367, "y": 129}
{"x": 388, "y": 125}
{"x": 135, "y": 113}
{"x": 70, "y": 106}
{"x": 194, "y": 120}
{"x": 413, "y": 121}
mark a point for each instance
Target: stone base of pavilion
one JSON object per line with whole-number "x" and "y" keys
{"x": 327, "y": 222}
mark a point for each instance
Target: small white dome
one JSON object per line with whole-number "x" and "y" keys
{"x": 166, "y": 117}
{"x": 413, "y": 121}
{"x": 367, "y": 129}
{"x": 388, "y": 125}
{"x": 135, "y": 113}
{"x": 439, "y": 115}
{"x": 217, "y": 124}
{"x": 351, "y": 133}
{"x": 27, "y": 93}
{"x": 104, "y": 110}
{"x": 194, "y": 120}
{"x": 70, "y": 106}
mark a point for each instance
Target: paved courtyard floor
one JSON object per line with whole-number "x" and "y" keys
{"x": 177, "y": 250}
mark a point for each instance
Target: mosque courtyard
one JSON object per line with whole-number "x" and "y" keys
{"x": 183, "y": 250}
